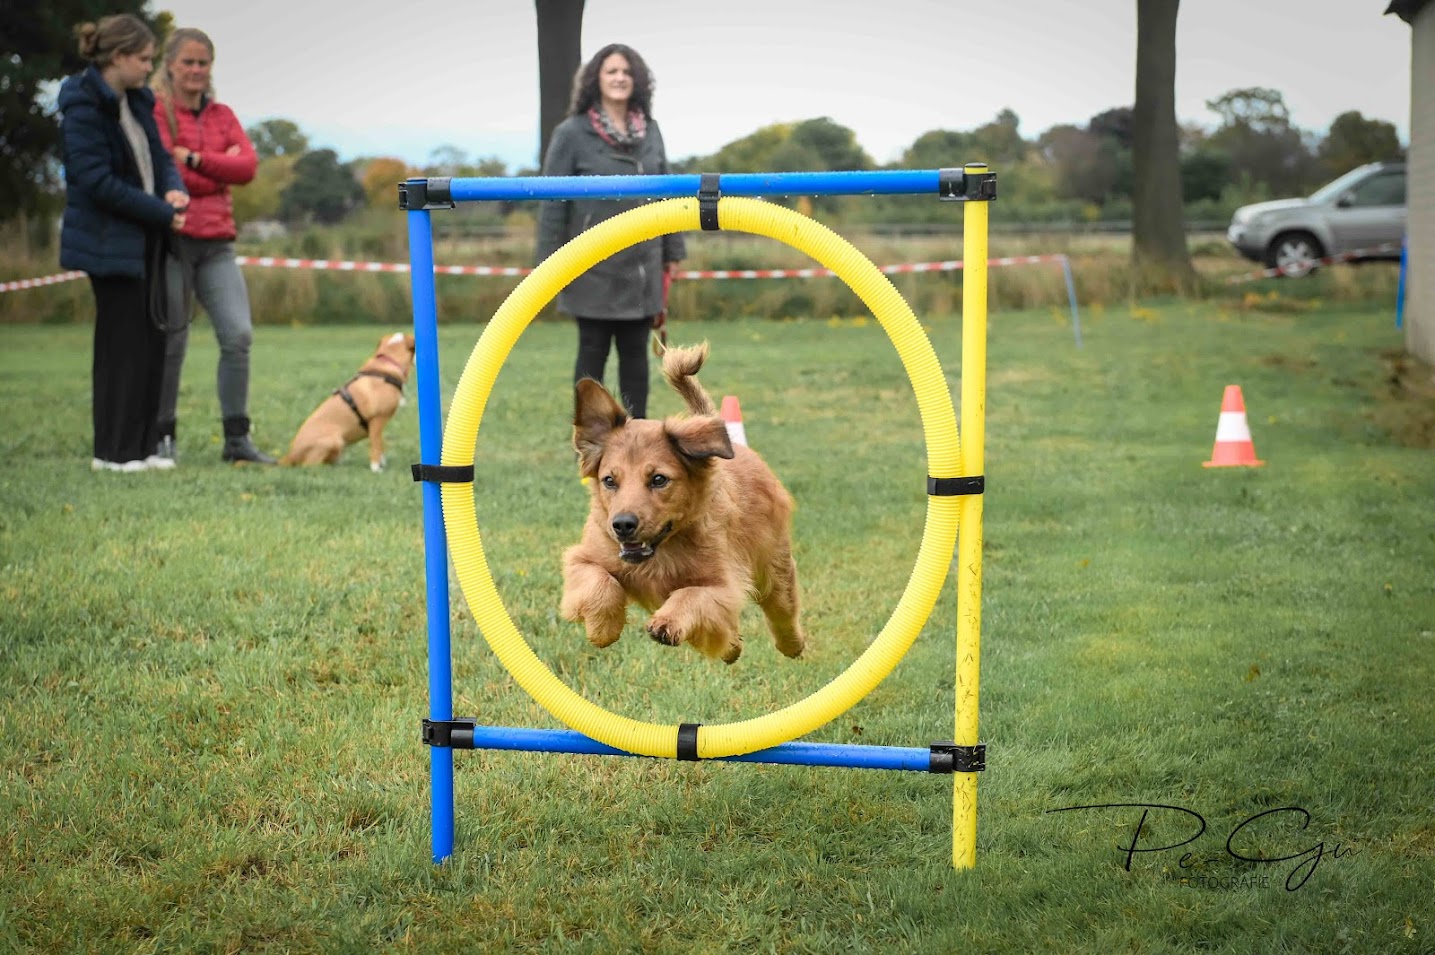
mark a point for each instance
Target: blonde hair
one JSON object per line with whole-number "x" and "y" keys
{"x": 163, "y": 84}
{"x": 123, "y": 34}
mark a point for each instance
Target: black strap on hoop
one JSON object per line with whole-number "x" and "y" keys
{"x": 688, "y": 741}
{"x": 956, "y": 486}
{"x": 443, "y": 473}
{"x": 708, "y": 194}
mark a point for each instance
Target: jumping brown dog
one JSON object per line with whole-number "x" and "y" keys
{"x": 681, "y": 522}
{"x": 358, "y": 408}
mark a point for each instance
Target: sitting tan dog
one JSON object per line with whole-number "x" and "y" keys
{"x": 680, "y": 522}
{"x": 358, "y": 408}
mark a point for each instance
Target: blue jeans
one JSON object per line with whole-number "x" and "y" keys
{"x": 205, "y": 269}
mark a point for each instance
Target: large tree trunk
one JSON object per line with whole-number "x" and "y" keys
{"x": 560, "y": 43}
{"x": 1158, "y": 227}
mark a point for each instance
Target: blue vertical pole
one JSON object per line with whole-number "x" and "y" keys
{"x": 1071, "y": 297}
{"x": 1400, "y": 289}
{"x": 421, "y": 281}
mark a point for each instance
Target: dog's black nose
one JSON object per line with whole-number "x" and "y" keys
{"x": 625, "y": 526}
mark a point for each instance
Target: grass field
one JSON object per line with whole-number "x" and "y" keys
{"x": 211, "y": 680}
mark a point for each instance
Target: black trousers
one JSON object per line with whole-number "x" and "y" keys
{"x": 127, "y": 371}
{"x": 596, "y": 336}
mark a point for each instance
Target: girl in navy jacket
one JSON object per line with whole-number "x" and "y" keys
{"x": 122, "y": 196}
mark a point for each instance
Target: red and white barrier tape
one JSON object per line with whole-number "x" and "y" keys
{"x": 44, "y": 280}
{"x": 946, "y": 266}
{"x": 328, "y": 265}
{"x": 1312, "y": 263}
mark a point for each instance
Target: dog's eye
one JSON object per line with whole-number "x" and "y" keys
{"x": 658, "y": 480}
{"x": 610, "y": 482}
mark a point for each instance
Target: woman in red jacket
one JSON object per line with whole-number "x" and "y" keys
{"x": 213, "y": 154}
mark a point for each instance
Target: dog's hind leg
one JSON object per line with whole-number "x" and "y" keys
{"x": 321, "y": 451}
{"x": 327, "y": 451}
{"x": 781, "y": 604}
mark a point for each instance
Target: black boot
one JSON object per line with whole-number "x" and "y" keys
{"x": 237, "y": 445}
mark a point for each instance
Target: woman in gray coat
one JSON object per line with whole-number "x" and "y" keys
{"x": 610, "y": 132}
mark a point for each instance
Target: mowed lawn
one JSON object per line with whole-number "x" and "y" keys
{"x": 211, "y": 680}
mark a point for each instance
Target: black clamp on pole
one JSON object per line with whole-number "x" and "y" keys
{"x": 435, "y": 193}
{"x": 443, "y": 473}
{"x": 709, "y": 192}
{"x": 948, "y": 757}
{"x": 455, "y": 733}
{"x": 972, "y": 183}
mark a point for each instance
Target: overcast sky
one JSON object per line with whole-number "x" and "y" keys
{"x": 375, "y": 77}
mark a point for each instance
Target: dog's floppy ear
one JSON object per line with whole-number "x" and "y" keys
{"x": 700, "y": 438}
{"x": 596, "y": 415}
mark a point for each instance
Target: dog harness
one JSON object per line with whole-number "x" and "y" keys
{"x": 343, "y": 392}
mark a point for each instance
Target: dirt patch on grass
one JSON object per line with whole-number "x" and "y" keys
{"x": 1406, "y": 405}
{"x": 1288, "y": 361}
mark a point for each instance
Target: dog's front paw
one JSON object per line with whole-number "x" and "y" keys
{"x": 664, "y": 632}
{"x": 603, "y": 635}
{"x": 790, "y": 641}
{"x": 604, "y": 622}
{"x": 377, "y": 466}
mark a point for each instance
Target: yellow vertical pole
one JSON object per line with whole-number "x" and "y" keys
{"x": 969, "y": 533}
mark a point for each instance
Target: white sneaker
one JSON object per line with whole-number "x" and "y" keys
{"x": 97, "y": 464}
{"x": 163, "y": 457}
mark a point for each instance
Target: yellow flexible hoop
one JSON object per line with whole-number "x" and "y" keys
{"x": 943, "y": 453}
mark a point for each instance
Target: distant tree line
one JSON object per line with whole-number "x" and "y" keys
{"x": 1070, "y": 172}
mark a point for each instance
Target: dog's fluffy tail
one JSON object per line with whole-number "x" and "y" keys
{"x": 680, "y": 365}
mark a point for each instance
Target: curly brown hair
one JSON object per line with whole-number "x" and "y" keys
{"x": 585, "y": 81}
{"x": 120, "y": 35}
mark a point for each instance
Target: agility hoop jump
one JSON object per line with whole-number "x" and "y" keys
{"x": 954, "y": 482}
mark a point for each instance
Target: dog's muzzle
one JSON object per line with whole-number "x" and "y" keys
{"x": 630, "y": 549}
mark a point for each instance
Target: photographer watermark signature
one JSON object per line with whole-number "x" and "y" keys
{"x": 1247, "y": 842}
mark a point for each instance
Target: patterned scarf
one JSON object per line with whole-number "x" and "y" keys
{"x": 603, "y": 126}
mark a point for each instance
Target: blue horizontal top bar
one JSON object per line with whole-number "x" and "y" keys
{"x": 881, "y": 182}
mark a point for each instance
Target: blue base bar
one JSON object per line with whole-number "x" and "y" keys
{"x": 845, "y": 755}
{"x": 880, "y": 182}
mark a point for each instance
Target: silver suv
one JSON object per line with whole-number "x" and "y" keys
{"x": 1361, "y": 211}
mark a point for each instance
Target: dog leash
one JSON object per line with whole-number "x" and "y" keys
{"x": 660, "y": 320}
{"x": 160, "y": 247}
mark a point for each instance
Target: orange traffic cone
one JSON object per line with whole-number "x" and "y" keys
{"x": 732, "y": 417}
{"x": 1234, "y": 448}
